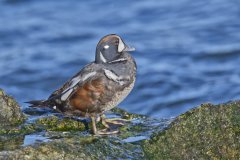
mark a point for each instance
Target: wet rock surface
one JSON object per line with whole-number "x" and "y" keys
{"x": 49, "y": 135}
{"x": 58, "y": 137}
{"x": 207, "y": 132}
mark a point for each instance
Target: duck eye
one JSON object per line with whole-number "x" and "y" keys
{"x": 106, "y": 46}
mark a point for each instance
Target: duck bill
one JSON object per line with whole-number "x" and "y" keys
{"x": 128, "y": 49}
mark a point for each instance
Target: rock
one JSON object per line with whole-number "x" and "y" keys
{"x": 10, "y": 112}
{"x": 10, "y": 142}
{"x": 78, "y": 147}
{"x": 58, "y": 137}
{"x": 207, "y": 132}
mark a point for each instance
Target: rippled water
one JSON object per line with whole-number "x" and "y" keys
{"x": 188, "y": 52}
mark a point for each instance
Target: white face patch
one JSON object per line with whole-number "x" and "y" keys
{"x": 102, "y": 58}
{"x": 54, "y": 107}
{"x": 106, "y": 46}
{"x": 121, "y": 45}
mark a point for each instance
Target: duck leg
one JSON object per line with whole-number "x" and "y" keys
{"x": 103, "y": 120}
{"x": 106, "y": 123}
{"x": 105, "y": 131}
{"x": 94, "y": 128}
{"x": 114, "y": 121}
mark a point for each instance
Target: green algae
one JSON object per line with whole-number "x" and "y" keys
{"x": 10, "y": 142}
{"x": 207, "y": 132}
{"x": 54, "y": 123}
{"x": 20, "y": 130}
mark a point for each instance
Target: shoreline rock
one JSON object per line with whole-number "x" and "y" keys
{"x": 75, "y": 142}
{"x": 207, "y": 132}
{"x": 49, "y": 135}
{"x": 10, "y": 112}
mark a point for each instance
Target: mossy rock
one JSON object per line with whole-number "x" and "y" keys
{"x": 54, "y": 123}
{"x": 51, "y": 123}
{"x": 10, "y": 142}
{"x": 207, "y": 132}
{"x": 78, "y": 147}
{"x": 10, "y": 112}
{"x": 67, "y": 138}
{"x": 19, "y": 130}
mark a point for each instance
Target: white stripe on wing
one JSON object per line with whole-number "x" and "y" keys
{"x": 113, "y": 76}
{"x": 67, "y": 92}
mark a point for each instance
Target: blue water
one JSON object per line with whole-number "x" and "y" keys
{"x": 188, "y": 52}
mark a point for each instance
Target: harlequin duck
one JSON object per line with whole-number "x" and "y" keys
{"x": 99, "y": 86}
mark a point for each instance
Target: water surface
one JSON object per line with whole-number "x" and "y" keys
{"x": 187, "y": 51}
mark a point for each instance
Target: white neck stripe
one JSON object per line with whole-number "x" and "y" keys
{"x": 103, "y": 59}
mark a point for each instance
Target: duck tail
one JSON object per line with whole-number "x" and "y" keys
{"x": 38, "y": 103}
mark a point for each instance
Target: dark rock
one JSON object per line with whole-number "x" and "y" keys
{"x": 207, "y": 132}
{"x": 57, "y": 137}
{"x": 10, "y": 112}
